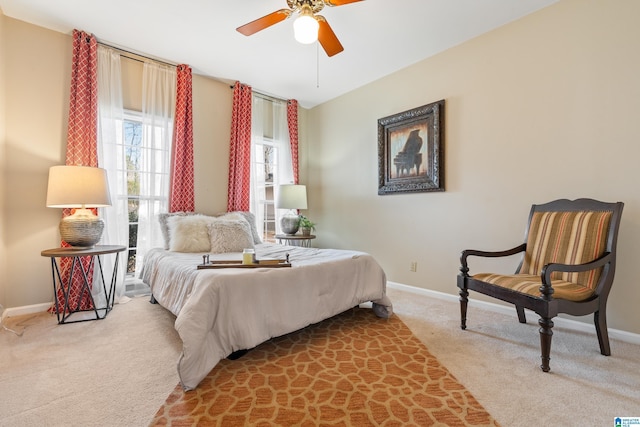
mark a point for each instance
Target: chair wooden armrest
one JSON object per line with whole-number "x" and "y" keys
{"x": 464, "y": 267}
{"x": 547, "y": 270}
{"x": 573, "y": 268}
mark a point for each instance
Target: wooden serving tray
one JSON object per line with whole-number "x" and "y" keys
{"x": 265, "y": 263}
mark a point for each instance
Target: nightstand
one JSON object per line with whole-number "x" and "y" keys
{"x": 295, "y": 239}
{"x": 70, "y": 307}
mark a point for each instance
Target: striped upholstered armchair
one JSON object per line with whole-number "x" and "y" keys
{"x": 568, "y": 264}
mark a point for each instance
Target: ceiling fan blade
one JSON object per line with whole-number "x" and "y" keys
{"x": 264, "y": 22}
{"x": 327, "y": 37}
{"x": 339, "y": 2}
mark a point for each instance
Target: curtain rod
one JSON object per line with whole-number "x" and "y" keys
{"x": 264, "y": 95}
{"x": 136, "y": 56}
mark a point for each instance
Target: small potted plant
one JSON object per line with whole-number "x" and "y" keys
{"x": 306, "y": 225}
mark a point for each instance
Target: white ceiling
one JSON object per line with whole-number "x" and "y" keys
{"x": 379, "y": 36}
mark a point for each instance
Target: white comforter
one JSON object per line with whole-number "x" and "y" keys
{"x": 219, "y": 311}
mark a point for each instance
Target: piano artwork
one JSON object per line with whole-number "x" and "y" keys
{"x": 410, "y": 155}
{"x": 410, "y": 150}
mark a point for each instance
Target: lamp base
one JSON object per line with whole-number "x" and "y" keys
{"x": 83, "y": 229}
{"x": 290, "y": 222}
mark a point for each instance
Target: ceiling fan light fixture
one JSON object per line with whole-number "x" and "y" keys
{"x": 305, "y": 27}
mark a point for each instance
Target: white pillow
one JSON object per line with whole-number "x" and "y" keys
{"x": 249, "y": 217}
{"x": 230, "y": 216}
{"x": 230, "y": 236}
{"x": 189, "y": 233}
{"x": 163, "y": 219}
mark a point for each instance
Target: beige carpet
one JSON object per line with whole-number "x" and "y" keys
{"x": 498, "y": 360}
{"x": 110, "y": 372}
{"x": 119, "y": 371}
{"x": 353, "y": 369}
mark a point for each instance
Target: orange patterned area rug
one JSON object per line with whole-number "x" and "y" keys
{"x": 353, "y": 369}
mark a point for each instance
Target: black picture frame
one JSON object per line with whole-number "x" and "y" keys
{"x": 411, "y": 150}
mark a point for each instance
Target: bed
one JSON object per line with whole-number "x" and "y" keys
{"x": 220, "y": 311}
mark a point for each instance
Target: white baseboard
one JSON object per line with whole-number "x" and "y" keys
{"x": 625, "y": 336}
{"x": 26, "y": 309}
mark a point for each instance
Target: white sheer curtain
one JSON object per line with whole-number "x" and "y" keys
{"x": 111, "y": 156}
{"x": 269, "y": 126}
{"x": 257, "y": 161}
{"x": 158, "y": 111}
{"x": 285, "y": 165}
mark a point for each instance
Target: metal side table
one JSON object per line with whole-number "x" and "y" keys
{"x": 295, "y": 239}
{"x": 70, "y": 307}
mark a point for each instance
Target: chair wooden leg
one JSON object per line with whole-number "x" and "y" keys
{"x": 600, "y": 320}
{"x": 463, "y": 308}
{"x": 522, "y": 318}
{"x": 545, "y": 341}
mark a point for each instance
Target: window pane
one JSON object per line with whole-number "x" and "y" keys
{"x": 134, "y": 205}
{"x": 133, "y": 183}
{"x": 133, "y": 235}
{"x": 131, "y": 262}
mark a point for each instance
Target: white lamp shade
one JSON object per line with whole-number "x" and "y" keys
{"x": 77, "y": 186}
{"x": 292, "y": 196}
{"x": 305, "y": 27}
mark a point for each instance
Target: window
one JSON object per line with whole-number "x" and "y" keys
{"x": 135, "y": 152}
{"x": 270, "y": 162}
{"x": 266, "y": 175}
{"x": 132, "y": 141}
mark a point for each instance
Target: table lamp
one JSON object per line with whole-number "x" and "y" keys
{"x": 79, "y": 187}
{"x": 292, "y": 197}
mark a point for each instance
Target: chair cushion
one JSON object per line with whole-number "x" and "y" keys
{"x": 566, "y": 238}
{"x": 530, "y": 284}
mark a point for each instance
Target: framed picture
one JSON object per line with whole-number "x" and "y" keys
{"x": 410, "y": 150}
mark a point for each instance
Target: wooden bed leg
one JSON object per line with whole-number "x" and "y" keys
{"x": 152, "y": 300}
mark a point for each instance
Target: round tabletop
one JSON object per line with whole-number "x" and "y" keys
{"x": 75, "y": 252}
{"x": 294, "y": 236}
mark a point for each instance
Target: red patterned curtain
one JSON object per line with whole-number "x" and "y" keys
{"x": 82, "y": 145}
{"x": 239, "y": 191}
{"x": 292, "y": 122}
{"x": 181, "y": 192}
{"x": 82, "y": 133}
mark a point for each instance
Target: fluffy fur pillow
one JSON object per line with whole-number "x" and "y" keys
{"x": 249, "y": 217}
{"x": 163, "y": 219}
{"x": 230, "y": 236}
{"x": 189, "y": 233}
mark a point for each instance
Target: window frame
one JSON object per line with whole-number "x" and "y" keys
{"x": 132, "y": 116}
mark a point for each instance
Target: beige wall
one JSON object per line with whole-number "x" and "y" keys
{"x": 543, "y": 108}
{"x": 212, "y": 102}
{"x": 35, "y": 75}
{"x": 36, "y": 115}
{"x": 3, "y": 179}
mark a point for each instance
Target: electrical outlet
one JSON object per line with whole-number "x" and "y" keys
{"x": 414, "y": 266}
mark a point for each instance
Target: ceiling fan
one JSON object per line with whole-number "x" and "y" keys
{"x": 308, "y": 27}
